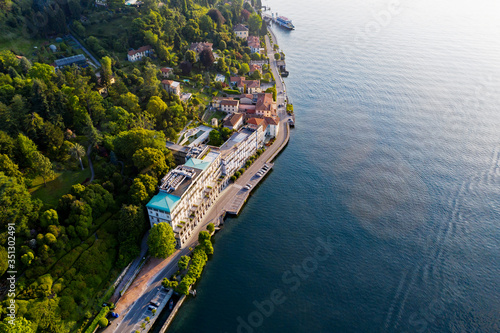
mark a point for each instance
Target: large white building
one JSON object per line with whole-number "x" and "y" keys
{"x": 239, "y": 147}
{"x": 186, "y": 193}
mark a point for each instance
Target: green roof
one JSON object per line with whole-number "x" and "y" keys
{"x": 196, "y": 163}
{"x": 164, "y": 201}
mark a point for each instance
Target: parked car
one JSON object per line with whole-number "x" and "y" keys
{"x": 115, "y": 315}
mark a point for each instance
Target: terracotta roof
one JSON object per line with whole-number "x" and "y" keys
{"x": 167, "y": 82}
{"x": 275, "y": 120}
{"x": 253, "y": 41}
{"x": 255, "y": 67}
{"x": 240, "y": 27}
{"x": 229, "y": 102}
{"x": 166, "y": 69}
{"x": 233, "y": 120}
{"x": 257, "y": 122}
{"x": 246, "y": 108}
{"x": 198, "y": 47}
{"x": 264, "y": 102}
{"x": 252, "y": 83}
{"x": 139, "y": 50}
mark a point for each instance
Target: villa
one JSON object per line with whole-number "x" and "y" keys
{"x": 241, "y": 31}
{"x": 172, "y": 87}
{"x": 143, "y": 51}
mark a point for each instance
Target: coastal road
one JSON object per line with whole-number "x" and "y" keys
{"x": 141, "y": 292}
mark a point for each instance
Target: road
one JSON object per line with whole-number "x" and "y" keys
{"x": 131, "y": 315}
{"x": 133, "y": 267}
{"x": 98, "y": 64}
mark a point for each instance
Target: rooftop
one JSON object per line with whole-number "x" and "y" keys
{"x": 236, "y": 138}
{"x": 196, "y": 163}
{"x": 240, "y": 27}
{"x": 233, "y": 120}
{"x": 139, "y": 50}
{"x": 164, "y": 201}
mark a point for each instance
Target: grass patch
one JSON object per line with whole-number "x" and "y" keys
{"x": 57, "y": 187}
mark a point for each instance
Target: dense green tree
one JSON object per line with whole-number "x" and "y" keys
{"x": 49, "y": 217}
{"x": 9, "y": 168}
{"x": 16, "y": 202}
{"x": 42, "y": 166}
{"x": 4, "y": 264}
{"x": 215, "y": 138}
{"x": 254, "y": 24}
{"x": 244, "y": 69}
{"x": 161, "y": 240}
{"x": 132, "y": 223}
{"x": 183, "y": 262}
{"x": 21, "y": 325}
{"x": 211, "y": 228}
{"x": 190, "y": 56}
{"x": 128, "y": 142}
{"x": 150, "y": 160}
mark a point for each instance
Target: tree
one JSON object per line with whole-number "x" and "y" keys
{"x": 183, "y": 262}
{"x": 254, "y": 23}
{"x": 169, "y": 284}
{"x": 277, "y": 56}
{"x": 49, "y": 217}
{"x": 207, "y": 58}
{"x": 211, "y": 228}
{"x": 21, "y": 325}
{"x": 150, "y": 160}
{"x": 156, "y": 107}
{"x": 43, "y": 72}
{"x": 107, "y": 73}
{"x": 8, "y": 167}
{"x": 15, "y": 201}
{"x": 132, "y": 223}
{"x": 190, "y": 56}
{"x": 103, "y": 322}
{"x": 216, "y": 16}
{"x": 244, "y": 69}
{"x": 203, "y": 235}
{"x": 128, "y": 142}
{"x": 77, "y": 151}
{"x": 4, "y": 263}
{"x": 42, "y": 166}
{"x": 215, "y": 138}
{"x": 161, "y": 240}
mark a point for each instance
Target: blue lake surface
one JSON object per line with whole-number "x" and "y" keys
{"x": 394, "y": 164}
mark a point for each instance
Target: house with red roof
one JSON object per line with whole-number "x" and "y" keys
{"x": 143, "y": 51}
{"x": 167, "y": 72}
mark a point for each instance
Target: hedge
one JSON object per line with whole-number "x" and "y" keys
{"x": 231, "y": 91}
{"x": 102, "y": 314}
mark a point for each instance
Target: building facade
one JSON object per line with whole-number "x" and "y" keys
{"x": 185, "y": 195}
{"x": 143, "y": 51}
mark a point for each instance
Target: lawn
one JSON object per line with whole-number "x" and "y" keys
{"x": 18, "y": 43}
{"x": 57, "y": 187}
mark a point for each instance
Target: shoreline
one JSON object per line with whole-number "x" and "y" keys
{"x": 284, "y": 126}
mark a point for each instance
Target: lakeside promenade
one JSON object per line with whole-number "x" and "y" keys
{"x": 133, "y": 304}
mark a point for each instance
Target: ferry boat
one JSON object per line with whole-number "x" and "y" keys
{"x": 284, "y": 22}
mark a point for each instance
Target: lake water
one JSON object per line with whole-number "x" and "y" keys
{"x": 394, "y": 165}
